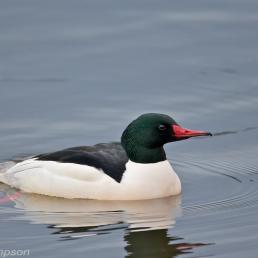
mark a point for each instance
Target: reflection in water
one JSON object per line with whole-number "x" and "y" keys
{"x": 74, "y": 213}
{"x": 156, "y": 243}
{"x": 145, "y": 223}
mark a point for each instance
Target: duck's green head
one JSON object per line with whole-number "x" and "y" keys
{"x": 143, "y": 139}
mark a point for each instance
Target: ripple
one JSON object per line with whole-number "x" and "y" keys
{"x": 235, "y": 131}
{"x": 238, "y": 193}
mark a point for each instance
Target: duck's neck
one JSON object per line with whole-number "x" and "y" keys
{"x": 145, "y": 155}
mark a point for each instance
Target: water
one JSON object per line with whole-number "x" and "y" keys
{"x": 76, "y": 73}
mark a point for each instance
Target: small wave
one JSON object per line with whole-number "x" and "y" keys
{"x": 242, "y": 169}
{"x": 235, "y": 131}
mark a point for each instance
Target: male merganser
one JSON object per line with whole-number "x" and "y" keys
{"x": 135, "y": 169}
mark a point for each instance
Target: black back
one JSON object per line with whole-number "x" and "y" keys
{"x": 109, "y": 157}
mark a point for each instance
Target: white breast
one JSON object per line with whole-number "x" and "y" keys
{"x": 68, "y": 180}
{"x": 149, "y": 181}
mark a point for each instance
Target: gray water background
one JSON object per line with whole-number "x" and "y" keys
{"x": 77, "y": 72}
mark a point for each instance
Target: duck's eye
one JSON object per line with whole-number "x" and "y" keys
{"x": 162, "y": 127}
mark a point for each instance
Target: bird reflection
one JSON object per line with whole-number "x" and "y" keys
{"x": 75, "y": 213}
{"x": 156, "y": 243}
{"x": 145, "y": 223}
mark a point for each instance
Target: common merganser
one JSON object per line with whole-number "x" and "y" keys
{"x": 135, "y": 169}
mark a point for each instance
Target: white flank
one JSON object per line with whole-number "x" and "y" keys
{"x": 68, "y": 180}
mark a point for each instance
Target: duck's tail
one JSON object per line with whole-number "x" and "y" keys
{"x": 4, "y": 166}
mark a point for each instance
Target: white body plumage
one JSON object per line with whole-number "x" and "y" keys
{"x": 69, "y": 180}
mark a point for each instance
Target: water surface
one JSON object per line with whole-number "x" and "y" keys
{"x": 76, "y": 73}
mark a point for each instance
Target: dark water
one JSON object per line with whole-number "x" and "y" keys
{"x": 76, "y": 72}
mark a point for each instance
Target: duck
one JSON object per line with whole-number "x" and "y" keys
{"x": 136, "y": 168}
